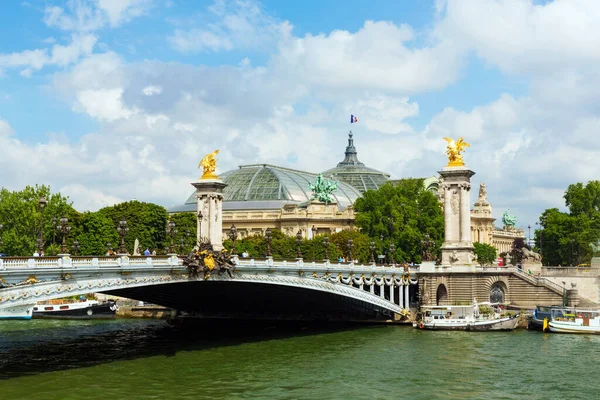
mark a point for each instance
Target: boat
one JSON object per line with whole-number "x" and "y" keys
{"x": 541, "y": 313}
{"x": 17, "y": 312}
{"x": 88, "y": 309}
{"x": 476, "y": 317}
{"x": 574, "y": 321}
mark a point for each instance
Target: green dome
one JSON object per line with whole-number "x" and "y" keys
{"x": 268, "y": 186}
{"x": 355, "y": 173}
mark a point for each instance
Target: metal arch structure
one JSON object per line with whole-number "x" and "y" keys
{"x": 382, "y": 290}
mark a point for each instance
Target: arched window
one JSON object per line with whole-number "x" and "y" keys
{"x": 441, "y": 296}
{"x": 497, "y": 293}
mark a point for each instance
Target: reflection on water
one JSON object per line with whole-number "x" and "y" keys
{"x": 44, "y": 359}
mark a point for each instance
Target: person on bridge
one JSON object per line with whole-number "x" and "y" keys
{"x": 147, "y": 252}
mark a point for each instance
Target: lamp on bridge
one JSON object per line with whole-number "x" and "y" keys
{"x": 298, "y": 245}
{"x": 350, "y": 246}
{"x": 122, "y": 230}
{"x": 426, "y": 245}
{"x": 314, "y": 235}
{"x": 76, "y": 246}
{"x": 42, "y": 203}
{"x": 268, "y": 242}
{"x": 372, "y": 248}
{"x": 171, "y": 232}
{"x": 54, "y": 220}
{"x": 232, "y": 237}
{"x": 181, "y": 246}
{"x": 1, "y": 242}
{"x": 63, "y": 228}
{"x": 392, "y": 250}
{"x": 326, "y": 248}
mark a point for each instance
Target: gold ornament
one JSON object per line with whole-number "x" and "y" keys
{"x": 209, "y": 165}
{"x": 454, "y": 148}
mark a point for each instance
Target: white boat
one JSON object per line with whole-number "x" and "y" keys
{"x": 476, "y": 317}
{"x": 17, "y": 312}
{"x": 575, "y": 321}
{"x": 88, "y": 309}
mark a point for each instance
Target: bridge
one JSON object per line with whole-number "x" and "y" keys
{"x": 257, "y": 289}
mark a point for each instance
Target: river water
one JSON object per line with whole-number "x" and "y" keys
{"x": 141, "y": 359}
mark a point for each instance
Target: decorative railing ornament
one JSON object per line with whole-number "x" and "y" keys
{"x": 205, "y": 260}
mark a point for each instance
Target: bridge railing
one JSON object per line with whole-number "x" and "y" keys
{"x": 85, "y": 261}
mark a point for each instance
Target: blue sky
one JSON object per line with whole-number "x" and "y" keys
{"x": 127, "y": 95}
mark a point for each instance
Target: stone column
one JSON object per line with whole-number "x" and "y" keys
{"x": 465, "y": 213}
{"x": 457, "y": 249}
{"x": 209, "y": 195}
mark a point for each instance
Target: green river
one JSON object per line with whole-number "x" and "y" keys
{"x": 146, "y": 359}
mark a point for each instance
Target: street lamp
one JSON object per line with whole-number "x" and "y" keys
{"x": 233, "y": 236}
{"x": 298, "y": 244}
{"x": 326, "y": 248}
{"x": 268, "y": 241}
{"x": 171, "y": 232}
{"x": 392, "y": 250}
{"x": 54, "y": 230}
{"x": 572, "y": 252}
{"x": 372, "y": 248}
{"x": 314, "y": 235}
{"x": 42, "y": 203}
{"x": 122, "y": 230}
{"x": 350, "y": 246}
{"x": 199, "y": 235}
{"x": 1, "y": 242}
{"x": 64, "y": 230}
{"x": 529, "y": 234}
{"x": 426, "y": 245}
{"x": 76, "y": 246}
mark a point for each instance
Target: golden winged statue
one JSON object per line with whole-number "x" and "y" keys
{"x": 209, "y": 164}
{"x": 454, "y": 148}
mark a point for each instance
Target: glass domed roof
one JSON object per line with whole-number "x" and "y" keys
{"x": 355, "y": 173}
{"x": 269, "y": 186}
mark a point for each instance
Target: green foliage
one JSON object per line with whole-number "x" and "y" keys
{"x": 564, "y": 237}
{"x": 485, "y": 253}
{"x": 21, "y": 216}
{"x": 146, "y": 222}
{"x": 96, "y": 231}
{"x": 401, "y": 214}
{"x": 187, "y": 226}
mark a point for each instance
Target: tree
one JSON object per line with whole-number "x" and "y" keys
{"x": 485, "y": 253}
{"x": 146, "y": 222}
{"x": 187, "y": 226}
{"x": 516, "y": 253}
{"x": 401, "y": 214}
{"x": 564, "y": 237}
{"x": 21, "y": 217}
{"x": 96, "y": 231}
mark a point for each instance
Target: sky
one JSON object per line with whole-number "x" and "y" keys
{"x": 111, "y": 100}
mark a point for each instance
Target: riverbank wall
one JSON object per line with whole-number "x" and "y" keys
{"x": 150, "y": 312}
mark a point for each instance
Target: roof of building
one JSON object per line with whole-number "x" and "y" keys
{"x": 264, "y": 186}
{"x": 355, "y": 173}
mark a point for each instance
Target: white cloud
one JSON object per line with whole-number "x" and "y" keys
{"x": 91, "y": 15}
{"x": 152, "y": 90}
{"x": 378, "y": 57}
{"x": 382, "y": 113}
{"x": 240, "y": 24}
{"x": 104, "y": 104}
{"x": 5, "y": 129}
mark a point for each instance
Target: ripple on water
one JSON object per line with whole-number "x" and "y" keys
{"x": 152, "y": 360}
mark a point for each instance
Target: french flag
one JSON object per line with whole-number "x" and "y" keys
{"x": 353, "y": 119}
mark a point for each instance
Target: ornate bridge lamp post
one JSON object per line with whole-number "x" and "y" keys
{"x": 382, "y": 255}
{"x": 233, "y": 237}
{"x": 268, "y": 242}
{"x": 54, "y": 228}
{"x": 326, "y": 248}
{"x": 181, "y": 246}
{"x": 199, "y": 226}
{"x": 63, "y": 228}
{"x": 426, "y": 245}
{"x": 314, "y": 235}
{"x": 529, "y": 235}
{"x": 171, "y": 232}
{"x": 122, "y": 230}
{"x": 298, "y": 245}
{"x": 76, "y": 246}
{"x": 392, "y": 250}
{"x": 372, "y": 248}
{"x": 350, "y": 246}
{"x": 42, "y": 203}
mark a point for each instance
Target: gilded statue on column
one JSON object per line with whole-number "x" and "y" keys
{"x": 209, "y": 165}
{"x": 454, "y": 148}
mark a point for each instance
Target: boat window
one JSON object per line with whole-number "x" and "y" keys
{"x": 64, "y": 307}
{"x": 35, "y": 308}
{"x": 49, "y": 308}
